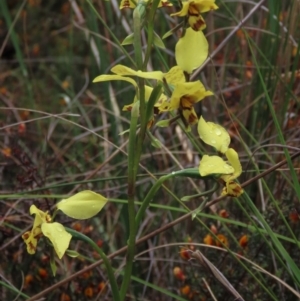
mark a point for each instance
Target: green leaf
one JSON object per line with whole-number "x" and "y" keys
{"x": 158, "y": 41}
{"x": 72, "y": 253}
{"x": 82, "y": 205}
{"x": 186, "y": 198}
{"x": 167, "y": 34}
{"x": 124, "y": 132}
{"x": 128, "y": 40}
{"x": 163, "y": 123}
{"x": 154, "y": 141}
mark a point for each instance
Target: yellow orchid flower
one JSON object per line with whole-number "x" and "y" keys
{"x": 183, "y": 98}
{"x": 216, "y": 136}
{"x": 229, "y": 171}
{"x": 132, "y": 4}
{"x": 42, "y": 225}
{"x": 82, "y": 205}
{"x": 193, "y": 9}
{"x": 191, "y": 50}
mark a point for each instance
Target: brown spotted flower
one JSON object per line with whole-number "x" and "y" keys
{"x": 184, "y": 97}
{"x": 193, "y": 9}
{"x": 42, "y": 225}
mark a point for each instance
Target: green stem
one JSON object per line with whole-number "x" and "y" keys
{"x": 190, "y": 172}
{"x": 132, "y": 171}
{"x": 110, "y": 272}
{"x": 138, "y": 14}
{"x": 135, "y": 145}
{"x": 150, "y": 32}
{"x": 143, "y": 127}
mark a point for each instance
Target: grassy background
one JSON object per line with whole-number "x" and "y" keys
{"x": 60, "y": 134}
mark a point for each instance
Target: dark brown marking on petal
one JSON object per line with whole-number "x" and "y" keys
{"x": 126, "y": 4}
{"x": 237, "y": 190}
{"x": 26, "y": 235}
{"x": 193, "y": 10}
{"x": 188, "y": 104}
{"x": 199, "y": 25}
{"x": 128, "y": 109}
{"x": 192, "y": 118}
{"x": 31, "y": 247}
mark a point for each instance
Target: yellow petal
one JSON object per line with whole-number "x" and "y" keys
{"x": 191, "y": 50}
{"x": 40, "y": 217}
{"x": 108, "y": 77}
{"x": 184, "y": 11}
{"x": 123, "y": 70}
{"x": 59, "y": 237}
{"x": 233, "y": 159}
{"x": 203, "y": 6}
{"x": 162, "y": 98}
{"x": 126, "y": 71}
{"x": 214, "y": 165}
{"x": 163, "y": 105}
{"x": 214, "y": 135}
{"x": 175, "y": 75}
{"x": 148, "y": 91}
{"x": 30, "y": 241}
{"x": 82, "y": 205}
